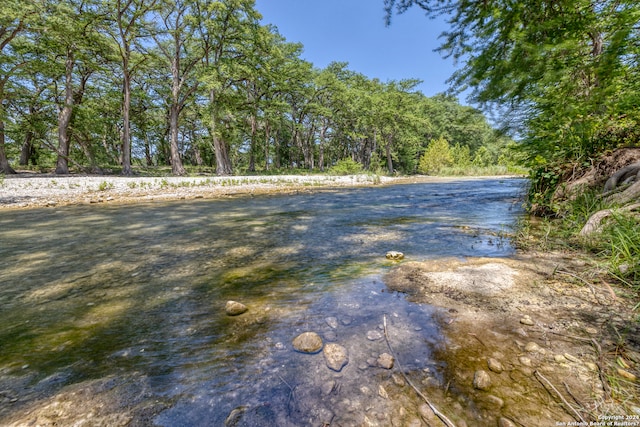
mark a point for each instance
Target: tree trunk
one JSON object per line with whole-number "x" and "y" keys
{"x": 5, "y": 168}
{"x": 252, "y": 143}
{"x": 176, "y": 162}
{"x": 126, "y": 121}
{"x": 389, "y": 157}
{"x": 27, "y": 152}
{"x": 64, "y": 119}
{"x": 267, "y": 131}
{"x": 223, "y": 162}
{"x": 174, "y": 114}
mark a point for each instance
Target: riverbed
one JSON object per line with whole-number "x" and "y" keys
{"x": 121, "y": 307}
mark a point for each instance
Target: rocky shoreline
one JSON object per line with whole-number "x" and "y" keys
{"x": 29, "y": 190}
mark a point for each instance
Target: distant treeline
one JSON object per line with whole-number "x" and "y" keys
{"x": 88, "y": 84}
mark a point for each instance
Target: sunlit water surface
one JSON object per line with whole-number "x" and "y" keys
{"x": 139, "y": 291}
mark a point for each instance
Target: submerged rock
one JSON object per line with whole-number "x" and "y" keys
{"x": 494, "y": 365}
{"x": 308, "y": 342}
{"x": 395, "y": 255}
{"x": 234, "y": 308}
{"x": 482, "y": 380}
{"x": 336, "y": 356}
{"x": 386, "y": 361}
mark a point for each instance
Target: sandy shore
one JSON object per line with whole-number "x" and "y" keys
{"x": 27, "y": 190}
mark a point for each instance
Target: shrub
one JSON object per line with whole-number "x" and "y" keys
{"x": 346, "y": 166}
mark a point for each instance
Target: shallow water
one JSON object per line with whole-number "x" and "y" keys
{"x": 139, "y": 291}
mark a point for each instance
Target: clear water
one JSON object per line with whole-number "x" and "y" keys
{"x": 138, "y": 291}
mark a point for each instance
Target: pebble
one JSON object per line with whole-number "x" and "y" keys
{"x": 495, "y": 365}
{"x": 559, "y": 358}
{"x": 590, "y": 330}
{"x": 394, "y": 255}
{"x": 308, "y": 342}
{"x": 374, "y": 335}
{"x": 336, "y": 356}
{"x": 525, "y": 361}
{"x": 533, "y": 347}
{"x": 526, "y": 320}
{"x": 481, "y": 380}
{"x": 234, "y": 308}
{"x": 382, "y": 392}
{"x": 505, "y": 422}
{"x": 386, "y": 361}
{"x": 328, "y": 387}
{"x": 492, "y": 401}
{"x": 332, "y": 322}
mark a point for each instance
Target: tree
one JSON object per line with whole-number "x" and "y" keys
{"x": 128, "y": 27}
{"x": 560, "y": 69}
{"x": 181, "y": 55}
{"x": 15, "y": 19}
{"x": 226, "y": 30}
{"x": 437, "y": 156}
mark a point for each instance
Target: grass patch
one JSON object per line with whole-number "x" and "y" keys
{"x": 614, "y": 249}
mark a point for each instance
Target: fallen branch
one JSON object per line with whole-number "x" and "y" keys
{"x": 435, "y": 410}
{"x": 545, "y": 382}
{"x": 601, "y": 373}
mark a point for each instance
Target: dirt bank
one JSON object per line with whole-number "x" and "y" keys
{"x": 530, "y": 340}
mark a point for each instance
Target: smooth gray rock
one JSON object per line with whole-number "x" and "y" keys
{"x": 234, "y": 308}
{"x": 308, "y": 342}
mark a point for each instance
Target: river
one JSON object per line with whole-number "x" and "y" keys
{"x": 123, "y": 305}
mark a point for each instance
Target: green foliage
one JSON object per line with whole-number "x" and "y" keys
{"x": 437, "y": 156}
{"x": 346, "y": 166}
{"x": 565, "y": 72}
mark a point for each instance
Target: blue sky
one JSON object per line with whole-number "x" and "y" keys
{"x": 354, "y": 31}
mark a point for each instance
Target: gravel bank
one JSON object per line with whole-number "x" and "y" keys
{"x": 31, "y": 190}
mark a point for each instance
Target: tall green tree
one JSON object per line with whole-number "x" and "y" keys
{"x": 127, "y": 28}
{"x": 181, "y": 54}
{"x": 563, "y": 71}
{"x": 16, "y": 18}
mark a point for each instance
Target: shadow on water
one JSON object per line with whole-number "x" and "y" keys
{"x": 139, "y": 291}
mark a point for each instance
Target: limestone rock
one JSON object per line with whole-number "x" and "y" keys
{"x": 336, "y": 356}
{"x": 386, "y": 361}
{"x": 481, "y": 380}
{"x": 505, "y": 422}
{"x": 533, "y": 347}
{"x": 526, "y": 320}
{"x": 494, "y": 365}
{"x": 374, "y": 335}
{"x": 308, "y": 342}
{"x": 395, "y": 255}
{"x": 234, "y": 308}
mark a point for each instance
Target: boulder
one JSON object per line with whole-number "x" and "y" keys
{"x": 308, "y": 342}
{"x": 234, "y": 308}
{"x": 336, "y": 356}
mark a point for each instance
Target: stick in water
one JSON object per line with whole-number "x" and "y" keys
{"x": 435, "y": 410}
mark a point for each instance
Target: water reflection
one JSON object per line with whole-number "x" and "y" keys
{"x": 87, "y": 292}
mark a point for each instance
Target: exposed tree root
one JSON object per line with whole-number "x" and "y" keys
{"x": 627, "y": 174}
{"x": 629, "y": 195}
{"x": 594, "y": 223}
